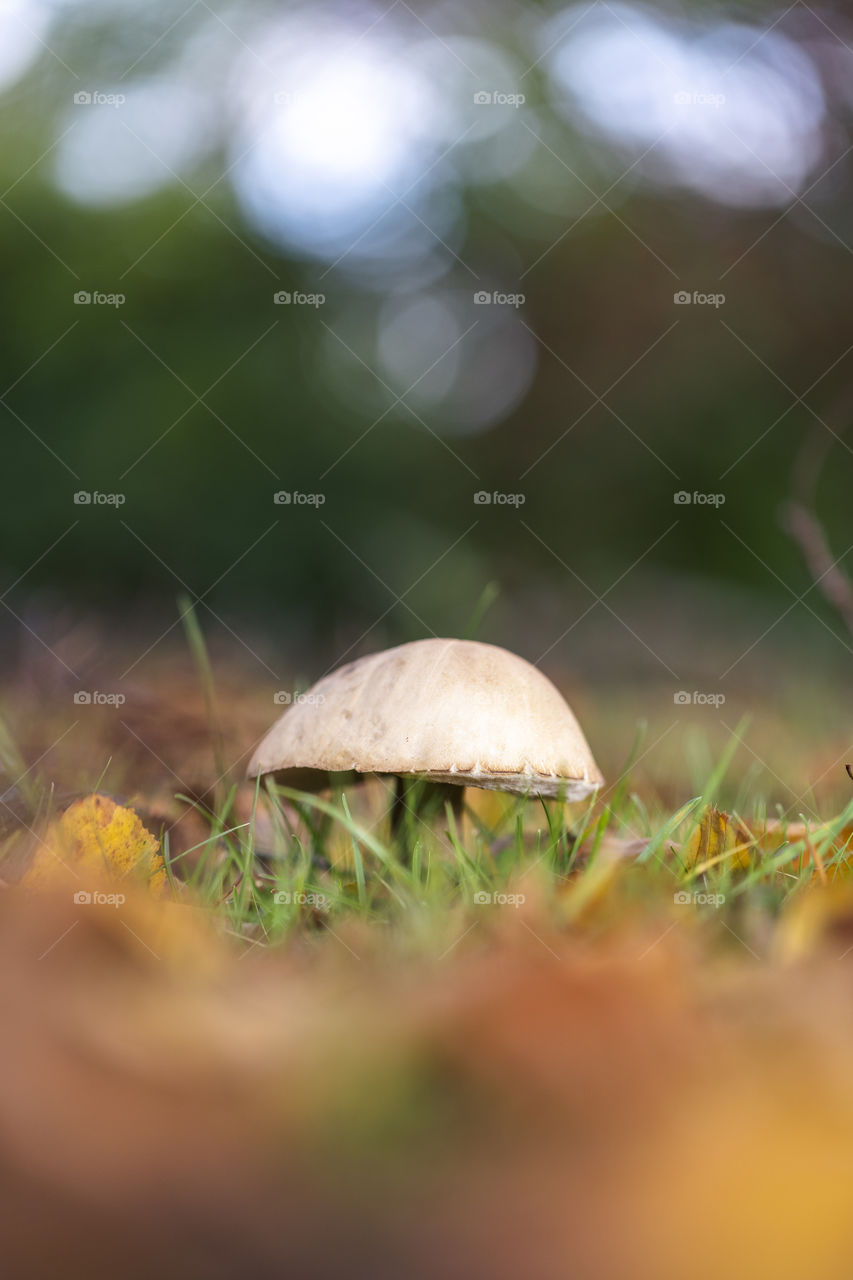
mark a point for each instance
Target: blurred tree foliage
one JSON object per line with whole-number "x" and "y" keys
{"x": 113, "y": 405}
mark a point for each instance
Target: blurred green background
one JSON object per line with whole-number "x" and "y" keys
{"x": 580, "y": 166}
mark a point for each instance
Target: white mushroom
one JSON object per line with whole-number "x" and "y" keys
{"x": 452, "y": 711}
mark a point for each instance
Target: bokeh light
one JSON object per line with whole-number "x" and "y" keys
{"x": 127, "y": 142}
{"x": 23, "y": 26}
{"x": 330, "y": 130}
{"x": 730, "y": 110}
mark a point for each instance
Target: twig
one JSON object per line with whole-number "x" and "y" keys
{"x": 802, "y": 524}
{"x": 807, "y": 531}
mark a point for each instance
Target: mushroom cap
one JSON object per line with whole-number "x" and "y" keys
{"x": 449, "y": 710}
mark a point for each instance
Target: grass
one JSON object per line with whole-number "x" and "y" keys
{"x": 327, "y": 861}
{"x": 305, "y": 865}
{"x": 278, "y": 866}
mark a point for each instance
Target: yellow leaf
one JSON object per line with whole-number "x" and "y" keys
{"x": 719, "y": 839}
{"x": 96, "y": 839}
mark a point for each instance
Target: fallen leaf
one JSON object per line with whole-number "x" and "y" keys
{"x": 96, "y": 839}
{"x": 718, "y": 838}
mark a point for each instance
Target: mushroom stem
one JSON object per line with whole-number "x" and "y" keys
{"x": 423, "y": 799}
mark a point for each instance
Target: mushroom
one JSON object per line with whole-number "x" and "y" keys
{"x": 448, "y": 711}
